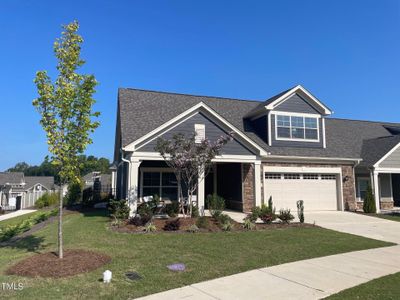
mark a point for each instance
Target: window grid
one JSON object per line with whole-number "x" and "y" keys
{"x": 291, "y": 176}
{"x": 273, "y": 176}
{"x": 297, "y": 127}
{"x": 328, "y": 177}
{"x": 311, "y": 176}
{"x": 161, "y": 183}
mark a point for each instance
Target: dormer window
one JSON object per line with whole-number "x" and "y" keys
{"x": 297, "y": 128}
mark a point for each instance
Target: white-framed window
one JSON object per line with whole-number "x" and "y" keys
{"x": 328, "y": 177}
{"x": 297, "y": 128}
{"x": 362, "y": 185}
{"x": 273, "y": 176}
{"x": 200, "y": 131}
{"x": 310, "y": 176}
{"x": 161, "y": 183}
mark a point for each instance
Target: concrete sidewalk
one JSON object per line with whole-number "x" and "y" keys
{"x": 16, "y": 214}
{"x": 308, "y": 279}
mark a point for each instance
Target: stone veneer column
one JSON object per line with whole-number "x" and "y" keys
{"x": 248, "y": 187}
{"x": 349, "y": 192}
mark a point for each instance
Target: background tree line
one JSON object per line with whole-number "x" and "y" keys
{"x": 47, "y": 168}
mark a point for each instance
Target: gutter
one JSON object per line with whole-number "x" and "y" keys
{"x": 334, "y": 159}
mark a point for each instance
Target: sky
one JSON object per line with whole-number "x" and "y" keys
{"x": 346, "y": 53}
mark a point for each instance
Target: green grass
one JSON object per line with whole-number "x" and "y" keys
{"x": 206, "y": 255}
{"x": 17, "y": 220}
{"x": 391, "y": 217}
{"x": 383, "y": 288}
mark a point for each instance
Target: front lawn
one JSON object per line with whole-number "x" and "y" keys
{"x": 206, "y": 255}
{"x": 384, "y": 288}
{"x": 391, "y": 217}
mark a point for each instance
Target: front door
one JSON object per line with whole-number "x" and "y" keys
{"x": 396, "y": 189}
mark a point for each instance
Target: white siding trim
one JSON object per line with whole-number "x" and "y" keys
{"x": 387, "y": 155}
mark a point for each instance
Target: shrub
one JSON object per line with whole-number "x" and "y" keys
{"x": 369, "y": 205}
{"x": 285, "y": 216}
{"x": 248, "y": 224}
{"x": 193, "y": 228}
{"x": 195, "y": 212}
{"x": 173, "y": 225}
{"x": 267, "y": 213}
{"x": 150, "y": 227}
{"x": 172, "y": 209}
{"x": 227, "y": 226}
{"x": 139, "y": 220}
{"x": 255, "y": 214}
{"x": 224, "y": 218}
{"x": 300, "y": 210}
{"x": 202, "y": 222}
{"x": 216, "y": 205}
{"x": 46, "y": 200}
{"x": 74, "y": 194}
{"x": 119, "y": 209}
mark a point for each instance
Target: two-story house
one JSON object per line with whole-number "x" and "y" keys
{"x": 288, "y": 147}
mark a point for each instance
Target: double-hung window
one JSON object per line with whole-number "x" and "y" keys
{"x": 163, "y": 184}
{"x": 297, "y": 128}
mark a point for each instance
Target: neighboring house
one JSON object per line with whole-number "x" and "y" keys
{"x": 18, "y": 191}
{"x": 90, "y": 179}
{"x": 287, "y": 147}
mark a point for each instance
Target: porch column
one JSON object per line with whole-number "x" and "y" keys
{"x": 133, "y": 179}
{"x": 257, "y": 182}
{"x": 377, "y": 192}
{"x": 200, "y": 193}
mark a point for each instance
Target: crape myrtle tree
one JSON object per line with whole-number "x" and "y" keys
{"x": 191, "y": 161}
{"x": 66, "y": 109}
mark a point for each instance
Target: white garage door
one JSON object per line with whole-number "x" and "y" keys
{"x": 318, "y": 191}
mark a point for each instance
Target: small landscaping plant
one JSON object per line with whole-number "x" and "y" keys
{"x": 223, "y": 218}
{"x": 369, "y": 206}
{"x": 216, "y": 205}
{"x": 150, "y": 227}
{"x": 193, "y": 228}
{"x": 255, "y": 214}
{"x": 227, "y": 226}
{"x": 119, "y": 209}
{"x": 285, "y": 216}
{"x": 139, "y": 220}
{"x": 172, "y": 225}
{"x": 202, "y": 222}
{"x": 47, "y": 200}
{"x": 248, "y": 224}
{"x": 267, "y": 212}
{"x": 172, "y": 209}
{"x": 195, "y": 212}
{"x": 300, "y": 210}
{"x": 25, "y": 225}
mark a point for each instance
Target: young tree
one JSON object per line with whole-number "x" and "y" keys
{"x": 369, "y": 201}
{"x": 66, "y": 110}
{"x": 190, "y": 161}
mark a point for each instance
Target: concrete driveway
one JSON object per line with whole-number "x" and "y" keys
{"x": 370, "y": 227}
{"x": 314, "y": 278}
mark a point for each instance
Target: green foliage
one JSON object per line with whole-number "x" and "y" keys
{"x": 119, "y": 209}
{"x": 172, "y": 225}
{"x": 74, "y": 194}
{"x": 255, "y": 214}
{"x": 172, "y": 209}
{"x": 227, "y": 226}
{"x": 195, "y": 212}
{"x": 216, "y": 205}
{"x": 223, "y": 218}
{"x": 300, "y": 210}
{"x": 150, "y": 227}
{"x": 66, "y": 105}
{"x": 202, "y": 222}
{"x": 267, "y": 212}
{"x": 248, "y": 224}
{"x": 369, "y": 205}
{"x": 47, "y": 200}
{"x": 25, "y": 225}
{"x": 139, "y": 220}
{"x": 193, "y": 228}
{"x": 285, "y": 216}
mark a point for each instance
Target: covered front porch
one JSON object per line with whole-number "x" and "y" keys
{"x": 385, "y": 184}
{"x": 235, "y": 179}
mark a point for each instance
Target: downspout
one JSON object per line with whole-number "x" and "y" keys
{"x": 129, "y": 167}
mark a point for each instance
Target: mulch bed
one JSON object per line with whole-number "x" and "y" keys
{"x": 49, "y": 265}
{"x": 213, "y": 226}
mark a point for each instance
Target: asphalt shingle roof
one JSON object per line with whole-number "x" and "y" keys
{"x": 142, "y": 111}
{"x": 11, "y": 178}
{"x": 46, "y": 181}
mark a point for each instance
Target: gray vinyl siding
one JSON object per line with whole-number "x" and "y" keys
{"x": 296, "y": 104}
{"x": 386, "y": 187}
{"x": 212, "y": 131}
{"x": 279, "y": 143}
{"x": 392, "y": 161}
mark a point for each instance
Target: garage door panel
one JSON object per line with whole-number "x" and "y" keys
{"x": 317, "y": 194}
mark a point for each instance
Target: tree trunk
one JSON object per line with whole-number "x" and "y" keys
{"x": 60, "y": 236}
